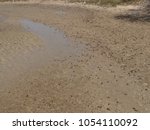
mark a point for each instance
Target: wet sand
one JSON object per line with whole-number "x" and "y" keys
{"x": 57, "y": 58}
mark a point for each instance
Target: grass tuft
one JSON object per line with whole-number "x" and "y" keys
{"x": 105, "y": 2}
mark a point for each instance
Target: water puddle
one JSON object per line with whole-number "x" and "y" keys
{"x": 55, "y": 46}
{"x": 2, "y": 18}
{"x": 54, "y": 41}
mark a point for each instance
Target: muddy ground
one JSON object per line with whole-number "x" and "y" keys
{"x": 105, "y": 69}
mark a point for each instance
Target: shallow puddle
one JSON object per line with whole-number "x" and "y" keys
{"x": 55, "y": 46}
{"x": 55, "y": 41}
{"x": 2, "y": 18}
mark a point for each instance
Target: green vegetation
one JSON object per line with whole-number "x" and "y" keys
{"x": 12, "y": 0}
{"x": 97, "y": 2}
{"x": 105, "y": 2}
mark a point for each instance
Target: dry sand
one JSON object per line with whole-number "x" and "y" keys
{"x": 109, "y": 74}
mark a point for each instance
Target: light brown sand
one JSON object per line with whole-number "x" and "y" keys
{"x": 110, "y": 75}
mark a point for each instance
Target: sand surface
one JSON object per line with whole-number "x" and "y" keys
{"x": 90, "y": 61}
